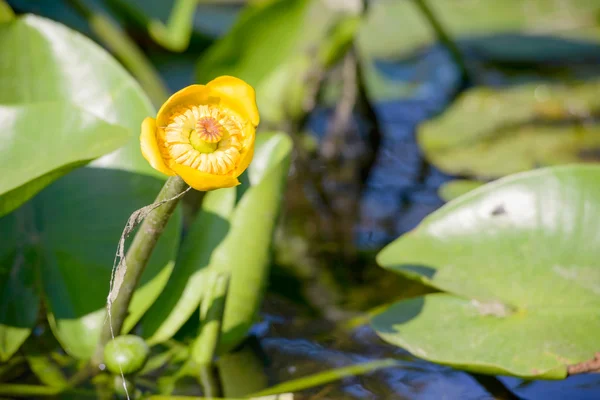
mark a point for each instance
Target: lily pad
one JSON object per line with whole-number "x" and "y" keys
{"x": 63, "y": 102}
{"x": 456, "y": 188}
{"x": 495, "y": 132}
{"x": 389, "y": 20}
{"x": 518, "y": 259}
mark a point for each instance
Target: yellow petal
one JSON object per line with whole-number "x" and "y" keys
{"x": 248, "y": 154}
{"x": 203, "y": 181}
{"x": 192, "y": 95}
{"x": 236, "y": 95}
{"x": 244, "y": 162}
{"x": 149, "y": 147}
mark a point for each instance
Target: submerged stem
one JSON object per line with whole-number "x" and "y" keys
{"x": 444, "y": 37}
{"x": 137, "y": 258}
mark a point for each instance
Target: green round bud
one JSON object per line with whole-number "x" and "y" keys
{"x": 130, "y": 352}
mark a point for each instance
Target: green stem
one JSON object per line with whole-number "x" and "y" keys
{"x": 21, "y": 390}
{"x": 137, "y": 257}
{"x": 211, "y": 314}
{"x": 209, "y": 378}
{"x": 126, "y": 50}
{"x": 175, "y": 36}
{"x": 205, "y": 347}
{"x": 445, "y": 38}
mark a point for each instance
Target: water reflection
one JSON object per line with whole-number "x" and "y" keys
{"x": 296, "y": 347}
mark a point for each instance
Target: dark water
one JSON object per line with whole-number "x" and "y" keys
{"x": 292, "y": 352}
{"x": 400, "y": 190}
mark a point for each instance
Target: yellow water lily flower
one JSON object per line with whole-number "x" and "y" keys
{"x": 204, "y": 133}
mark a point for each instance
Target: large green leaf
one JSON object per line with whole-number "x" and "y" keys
{"x": 19, "y": 294}
{"x": 224, "y": 238}
{"x": 63, "y": 102}
{"x": 519, "y": 260}
{"x": 67, "y": 239}
{"x": 494, "y": 132}
{"x": 390, "y": 20}
{"x": 61, "y": 244}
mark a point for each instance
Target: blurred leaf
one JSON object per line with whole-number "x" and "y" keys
{"x": 19, "y": 294}
{"x": 325, "y": 377}
{"x": 227, "y": 239}
{"x": 7, "y": 389}
{"x": 269, "y": 48}
{"x": 242, "y": 372}
{"x": 338, "y": 40}
{"x": 128, "y": 52}
{"x": 65, "y": 97}
{"x": 283, "y": 396}
{"x": 46, "y": 371}
{"x": 156, "y": 362}
{"x": 175, "y": 36}
{"x": 266, "y": 33}
{"x": 6, "y": 13}
{"x": 494, "y": 132}
{"x": 389, "y": 20}
{"x": 456, "y": 188}
{"x": 12, "y": 368}
{"x": 519, "y": 260}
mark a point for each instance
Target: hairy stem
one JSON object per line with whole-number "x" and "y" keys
{"x": 444, "y": 37}
{"x": 137, "y": 258}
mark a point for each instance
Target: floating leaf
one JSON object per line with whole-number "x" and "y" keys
{"x": 456, "y": 188}
{"x": 519, "y": 260}
{"x": 495, "y": 132}
{"x": 389, "y": 20}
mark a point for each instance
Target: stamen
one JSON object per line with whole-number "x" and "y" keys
{"x": 209, "y": 129}
{"x": 204, "y": 138}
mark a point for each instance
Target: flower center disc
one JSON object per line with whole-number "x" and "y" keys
{"x": 209, "y": 129}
